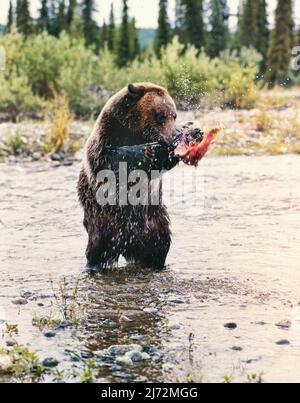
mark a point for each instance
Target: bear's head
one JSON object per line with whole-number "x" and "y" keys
{"x": 142, "y": 112}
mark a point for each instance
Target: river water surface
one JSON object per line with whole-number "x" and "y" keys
{"x": 237, "y": 261}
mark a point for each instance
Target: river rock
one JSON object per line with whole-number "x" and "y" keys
{"x": 150, "y": 310}
{"x": 50, "y": 362}
{"x": 230, "y": 325}
{"x": 118, "y": 350}
{"x": 284, "y": 324}
{"x": 237, "y": 348}
{"x": 124, "y": 361}
{"x": 283, "y": 342}
{"x": 11, "y": 343}
{"x": 5, "y": 363}
{"x": 20, "y": 301}
{"x": 49, "y": 334}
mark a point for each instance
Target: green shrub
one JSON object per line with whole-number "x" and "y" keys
{"x": 16, "y": 96}
{"x": 41, "y": 66}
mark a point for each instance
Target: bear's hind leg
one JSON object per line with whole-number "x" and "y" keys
{"x": 101, "y": 253}
{"x": 150, "y": 251}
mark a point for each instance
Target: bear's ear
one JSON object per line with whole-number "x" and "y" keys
{"x": 136, "y": 91}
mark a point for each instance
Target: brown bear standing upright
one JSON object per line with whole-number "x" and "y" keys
{"x": 138, "y": 114}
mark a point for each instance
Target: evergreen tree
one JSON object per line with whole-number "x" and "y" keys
{"x": 163, "y": 33}
{"x": 43, "y": 22}
{"x": 10, "y": 18}
{"x": 123, "y": 45}
{"x": 24, "y": 20}
{"x": 248, "y": 23}
{"x": 134, "y": 40}
{"x": 71, "y": 11}
{"x": 90, "y": 29}
{"x": 179, "y": 20}
{"x": 53, "y": 18}
{"x": 111, "y": 30}
{"x": 193, "y": 22}
{"x": 262, "y": 38}
{"x": 57, "y": 17}
{"x": 61, "y": 17}
{"x": 281, "y": 43}
{"x": 76, "y": 28}
{"x": 104, "y": 33}
{"x": 219, "y": 28}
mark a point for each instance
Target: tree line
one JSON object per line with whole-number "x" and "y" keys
{"x": 203, "y": 24}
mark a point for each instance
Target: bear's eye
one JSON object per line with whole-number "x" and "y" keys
{"x": 161, "y": 118}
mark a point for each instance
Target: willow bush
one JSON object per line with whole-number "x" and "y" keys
{"x": 41, "y": 66}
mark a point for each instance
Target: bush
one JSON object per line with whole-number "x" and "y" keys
{"x": 41, "y": 66}
{"x": 60, "y": 115}
{"x": 16, "y": 96}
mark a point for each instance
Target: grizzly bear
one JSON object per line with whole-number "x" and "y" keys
{"x": 139, "y": 114}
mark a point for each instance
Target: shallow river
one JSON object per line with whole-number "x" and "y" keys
{"x": 234, "y": 260}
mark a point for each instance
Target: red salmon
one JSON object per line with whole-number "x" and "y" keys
{"x": 192, "y": 153}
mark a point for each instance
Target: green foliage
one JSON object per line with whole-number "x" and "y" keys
{"x": 16, "y": 96}
{"x": 248, "y": 23}
{"x": 253, "y": 28}
{"x": 282, "y": 39}
{"x": 90, "y": 28}
{"x": 123, "y": 45}
{"x": 88, "y": 373}
{"x": 281, "y": 43}
{"x": 263, "y": 33}
{"x": 24, "y": 20}
{"x": 17, "y": 143}
{"x": 42, "y": 66}
{"x": 11, "y": 329}
{"x": 218, "y": 36}
{"x": 111, "y": 30}
{"x": 190, "y": 22}
{"x": 10, "y": 18}
{"x": 163, "y": 32}
{"x": 26, "y": 364}
{"x": 43, "y": 21}
{"x": 71, "y": 12}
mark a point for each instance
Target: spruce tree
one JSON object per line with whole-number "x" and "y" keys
{"x": 219, "y": 28}
{"x": 262, "y": 37}
{"x": 282, "y": 38}
{"x": 61, "y": 17}
{"x": 43, "y": 21}
{"x": 163, "y": 33}
{"x": 53, "y": 30}
{"x": 193, "y": 23}
{"x": 10, "y": 18}
{"x": 179, "y": 20}
{"x": 103, "y": 36}
{"x": 57, "y": 17}
{"x": 76, "y": 28}
{"x": 24, "y": 20}
{"x": 248, "y": 23}
{"x": 71, "y": 12}
{"x": 90, "y": 29}
{"x": 123, "y": 45}
{"x": 111, "y": 30}
{"x": 134, "y": 40}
